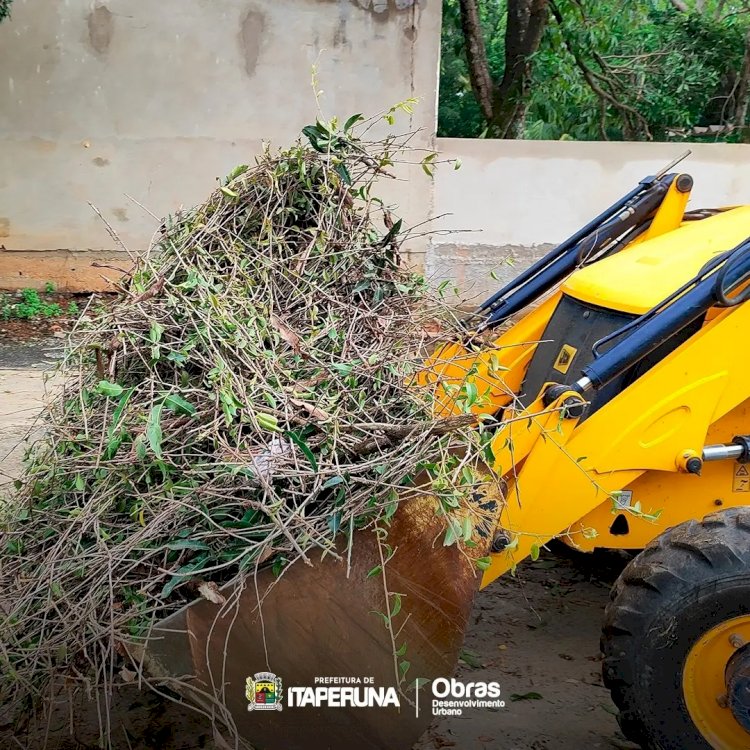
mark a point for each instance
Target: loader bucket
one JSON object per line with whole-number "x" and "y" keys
{"x": 329, "y": 619}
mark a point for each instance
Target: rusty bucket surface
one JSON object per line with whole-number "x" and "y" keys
{"x": 323, "y": 620}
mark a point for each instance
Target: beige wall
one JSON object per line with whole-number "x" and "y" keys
{"x": 154, "y": 99}
{"x": 515, "y": 199}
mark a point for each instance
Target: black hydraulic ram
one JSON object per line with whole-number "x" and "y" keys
{"x": 712, "y": 286}
{"x": 598, "y": 238}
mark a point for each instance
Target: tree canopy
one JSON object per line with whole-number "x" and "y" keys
{"x": 5, "y": 8}
{"x": 595, "y": 69}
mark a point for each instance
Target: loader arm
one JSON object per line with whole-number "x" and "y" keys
{"x": 655, "y": 207}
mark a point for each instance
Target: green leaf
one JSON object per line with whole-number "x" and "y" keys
{"x": 237, "y": 171}
{"x": 534, "y": 552}
{"x": 155, "y": 332}
{"x": 80, "y": 485}
{"x": 390, "y": 509}
{"x": 117, "y": 414}
{"x": 377, "y": 570}
{"x": 342, "y": 171}
{"x": 381, "y": 615}
{"x": 153, "y": 430}
{"x": 483, "y": 563}
{"x": 428, "y": 165}
{"x": 453, "y": 533}
{"x": 352, "y": 121}
{"x": 526, "y": 696}
{"x": 322, "y": 127}
{"x": 178, "y": 405}
{"x": 361, "y": 286}
{"x": 278, "y": 565}
{"x": 318, "y": 136}
{"x": 396, "y": 605}
{"x": 305, "y": 448}
{"x": 140, "y": 448}
{"x": 184, "y": 574}
{"x": 393, "y": 231}
{"x": 343, "y": 368}
{"x": 177, "y": 357}
{"x": 105, "y": 388}
{"x": 267, "y": 421}
{"x": 471, "y": 658}
{"x": 332, "y": 482}
{"x": 182, "y": 544}
{"x": 334, "y": 522}
{"x": 513, "y": 545}
{"x": 310, "y": 131}
{"x": 193, "y": 280}
{"x": 471, "y": 394}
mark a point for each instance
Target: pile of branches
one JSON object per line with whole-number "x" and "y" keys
{"x": 249, "y": 400}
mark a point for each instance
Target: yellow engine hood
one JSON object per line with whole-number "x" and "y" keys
{"x": 642, "y": 275}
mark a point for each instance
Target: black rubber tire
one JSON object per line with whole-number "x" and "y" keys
{"x": 688, "y": 580}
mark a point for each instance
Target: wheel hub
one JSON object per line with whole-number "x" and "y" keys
{"x": 716, "y": 684}
{"x": 737, "y": 677}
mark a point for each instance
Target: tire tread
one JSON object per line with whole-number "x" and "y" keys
{"x": 681, "y": 557}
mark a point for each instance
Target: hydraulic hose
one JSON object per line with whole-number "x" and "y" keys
{"x": 597, "y": 237}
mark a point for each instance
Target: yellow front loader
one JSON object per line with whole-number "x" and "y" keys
{"x": 624, "y": 407}
{"x": 615, "y": 373}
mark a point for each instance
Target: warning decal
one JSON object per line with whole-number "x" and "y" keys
{"x": 565, "y": 358}
{"x": 741, "y": 479}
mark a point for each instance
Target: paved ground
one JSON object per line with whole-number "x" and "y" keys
{"x": 19, "y": 391}
{"x": 537, "y": 634}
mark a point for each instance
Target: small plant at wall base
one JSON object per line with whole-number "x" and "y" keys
{"x": 33, "y": 306}
{"x": 5, "y": 8}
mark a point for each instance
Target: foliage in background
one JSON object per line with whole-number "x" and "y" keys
{"x": 30, "y": 305}
{"x": 5, "y": 8}
{"x": 647, "y": 69}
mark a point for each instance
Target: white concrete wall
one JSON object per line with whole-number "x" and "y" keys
{"x": 101, "y": 99}
{"x": 515, "y": 199}
{"x": 154, "y": 99}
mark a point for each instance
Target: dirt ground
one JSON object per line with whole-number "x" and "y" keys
{"x": 536, "y": 634}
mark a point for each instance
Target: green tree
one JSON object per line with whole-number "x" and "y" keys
{"x": 5, "y": 8}
{"x": 502, "y": 95}
{"x": 646, "y": 69}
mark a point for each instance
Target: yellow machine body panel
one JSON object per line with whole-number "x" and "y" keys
{"x": 563, "y": 469}
{"x": 643, "y": 274}
{"x": 657, "y": 499}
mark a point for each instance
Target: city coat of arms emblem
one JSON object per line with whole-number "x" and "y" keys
{"x": 264, "y": 692}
